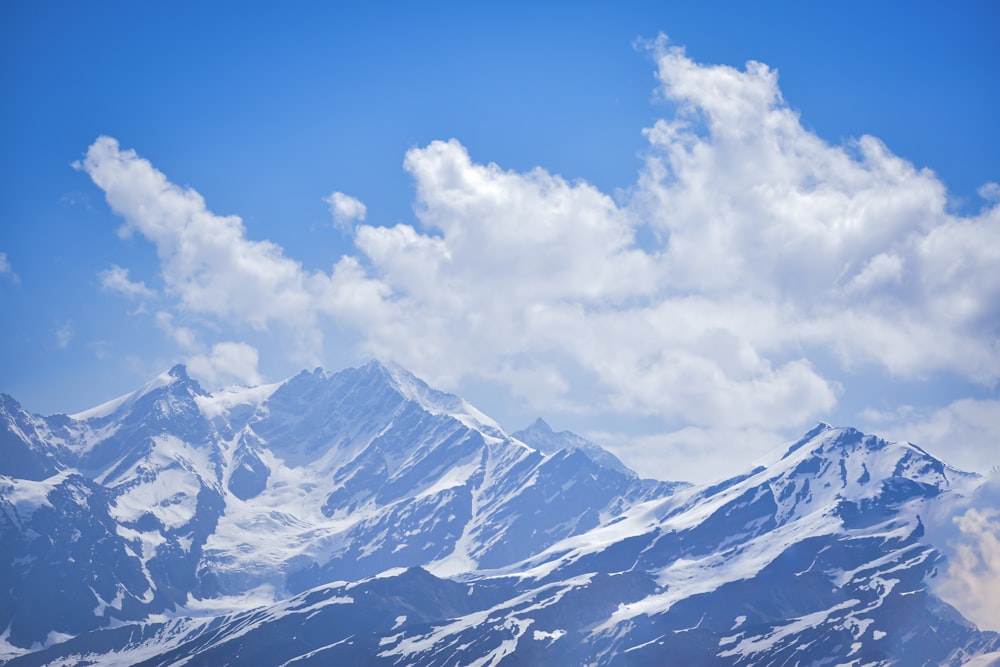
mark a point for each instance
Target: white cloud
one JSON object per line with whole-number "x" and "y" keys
{"x": 750, "y": 200}
{"x": 116, "y": 279}
{"x": 184, "y": 337}
{"x": 773, "y": 245}
{"x": 881, "y": 270}
{"x": 207, "y": 263}
{"x": 990, "y": 192}
{"x": 226, "y": 363}
{"x": 526, "y": 271}
{"x": 206, "y": 260}
{"x": 345, "y": 209}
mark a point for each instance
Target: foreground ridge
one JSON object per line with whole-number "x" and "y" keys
{"x": 364, "y": 517}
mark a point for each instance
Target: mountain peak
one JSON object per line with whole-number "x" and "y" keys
{"x": 403, "y": 380}
{"x": 8, "y": 403}
{"x": 845, "y": 464}
{"x": 412, "y": 388}
{"x": 541, "y": 426}
{"x": 174, "y": 381}
{"x": 396, "y": 378}
{"x": 178, "y": 371}
{"x": 175, "y": 378}
{"x": 809, "y": 436}
{"x": 540, "y": 436}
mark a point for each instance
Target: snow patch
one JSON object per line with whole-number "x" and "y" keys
{"x": 542, "y": 635}
{"x": 645, "y": 644}
{"x": 28, "y": 496}
{"x": 391, "y": 639}
{"x": 763, "y": 643}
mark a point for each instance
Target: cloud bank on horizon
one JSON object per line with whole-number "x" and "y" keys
{"x": 750, "y": 268}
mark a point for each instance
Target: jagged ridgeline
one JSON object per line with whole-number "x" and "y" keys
{"x": 362, "y": 517}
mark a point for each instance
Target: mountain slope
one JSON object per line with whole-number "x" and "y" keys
{"x": 276, "y": 489}
{"x": 363, "y": 517}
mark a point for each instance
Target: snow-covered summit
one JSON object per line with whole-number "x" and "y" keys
{"x": 176, "y": 378}
{"x": 843, "y": 463}
{"x": 434, "y": 401}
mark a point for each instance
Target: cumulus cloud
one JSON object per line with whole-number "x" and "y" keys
{"x": 517, "y": 272}
{"x": 773, "y": 240}
{"x": 345, "y": 209}
{"x": 773, "y": 250}
{"x": 854, "y": 241}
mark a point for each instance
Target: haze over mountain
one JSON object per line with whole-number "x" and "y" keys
{"x": 363, "y": 517}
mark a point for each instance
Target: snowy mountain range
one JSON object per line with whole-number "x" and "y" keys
{"x": 362, "y": 517}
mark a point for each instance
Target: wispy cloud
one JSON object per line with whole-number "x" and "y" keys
{"x": 65, "y": 334}
{"x": 116, "y": 280}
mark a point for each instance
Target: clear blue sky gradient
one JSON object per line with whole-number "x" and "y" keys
{"x": 265, "y": 108}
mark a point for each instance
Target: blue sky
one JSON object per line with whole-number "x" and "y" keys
{"x": 691, "y": 295}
